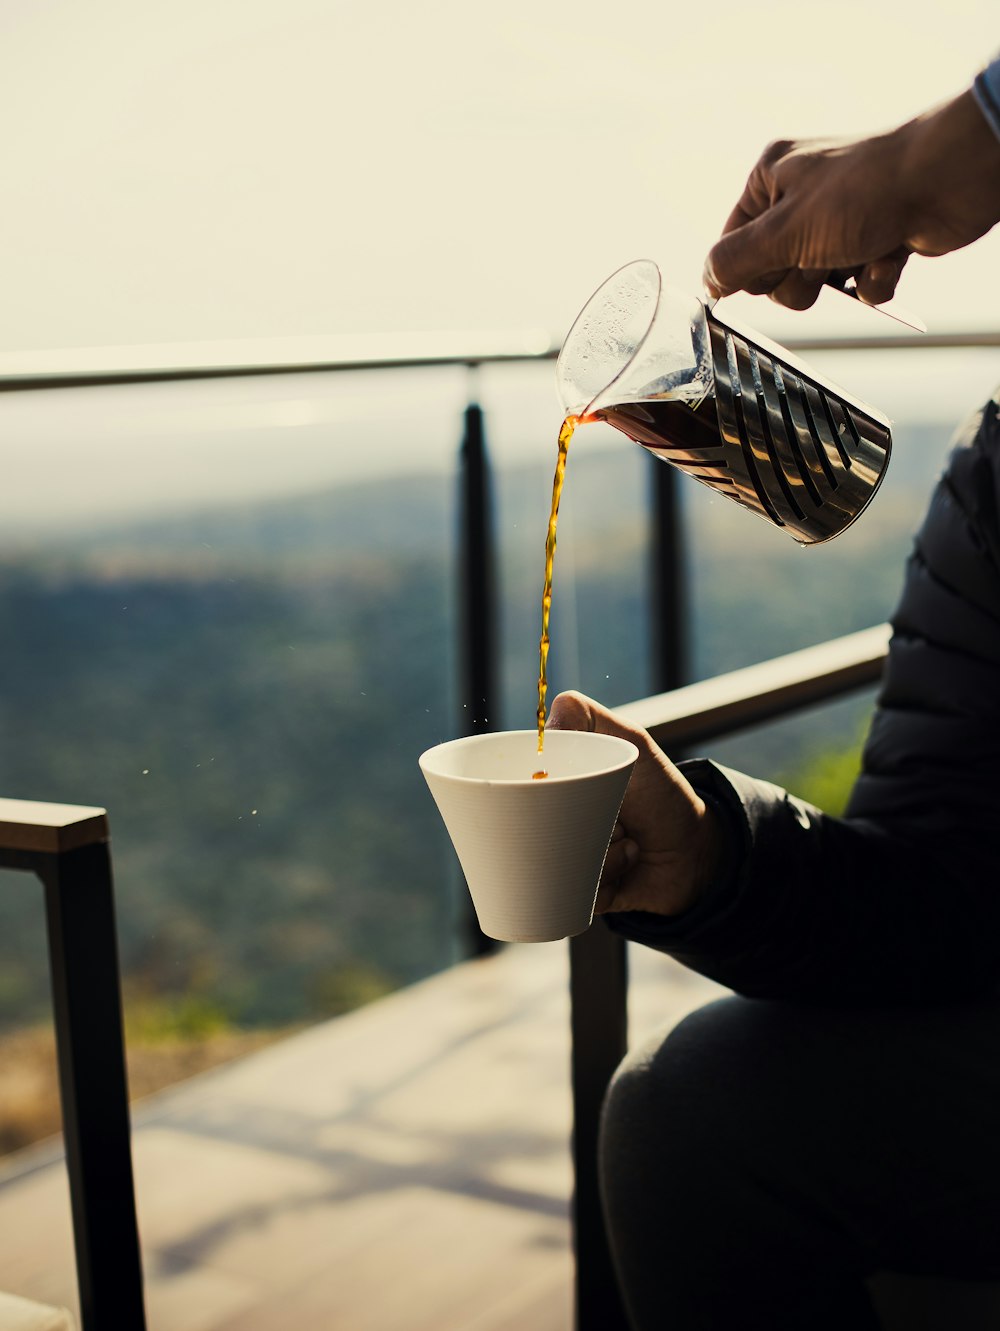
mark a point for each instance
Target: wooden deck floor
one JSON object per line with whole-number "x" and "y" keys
{"x": 403, "y": 1168}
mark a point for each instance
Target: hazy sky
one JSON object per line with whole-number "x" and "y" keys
{"x": 215, "y": 169}
{"x": 240, "y": 168}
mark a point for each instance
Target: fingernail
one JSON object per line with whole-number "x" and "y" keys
{"x": 631, "y": 852}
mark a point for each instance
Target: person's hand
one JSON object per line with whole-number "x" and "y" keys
{"x": 860, "y": 207}
{"x": 665, "y": 848}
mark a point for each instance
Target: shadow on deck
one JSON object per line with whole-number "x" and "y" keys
{"x": 403, "y": 1168}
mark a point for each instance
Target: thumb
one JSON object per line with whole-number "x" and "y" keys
{"x": 877, "y": 281}
{"x": 571, "y": 711}
{"x": 754, "y": 258}
{"x": 575, "y": 711}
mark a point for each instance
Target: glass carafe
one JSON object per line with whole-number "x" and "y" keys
{"x": 728, "y": 407}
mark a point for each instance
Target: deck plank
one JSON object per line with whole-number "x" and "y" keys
{"x": 402, "y": 1168}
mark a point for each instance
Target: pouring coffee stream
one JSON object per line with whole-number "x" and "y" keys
{"x": 732, "y": 409}
{"x": 565, "y": 435}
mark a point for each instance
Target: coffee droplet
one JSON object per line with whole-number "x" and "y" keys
{"x": 539, "y": 776}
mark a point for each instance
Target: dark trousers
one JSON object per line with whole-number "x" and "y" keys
{"x": 761, "y": 1161}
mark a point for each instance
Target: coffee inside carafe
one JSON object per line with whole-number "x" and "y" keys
{"x": 675, "y": 431}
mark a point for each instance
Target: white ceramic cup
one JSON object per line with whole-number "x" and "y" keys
{"x": 531, "y": 850}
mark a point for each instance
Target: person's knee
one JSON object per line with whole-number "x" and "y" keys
{"x": 662, "y": 1108}
{"x": 701, "y": 1098}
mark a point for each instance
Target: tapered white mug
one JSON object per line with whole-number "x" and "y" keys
{"x": 532, "y": 850}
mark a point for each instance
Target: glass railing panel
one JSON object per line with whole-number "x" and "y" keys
{"x": 230, "y": 616}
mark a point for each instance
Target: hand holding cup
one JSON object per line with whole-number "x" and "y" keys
{"x": 666, "y": 846}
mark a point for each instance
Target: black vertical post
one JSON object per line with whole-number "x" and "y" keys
{"x": 668, "y": 600}
{"x": 598, "y": 959}
{"x": 90, "y": 1047}
{"x": 479, "y": 694}
{"x": 598, "y": 1005}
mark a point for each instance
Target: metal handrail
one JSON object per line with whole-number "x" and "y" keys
{"x": 727, "y": 703}
{"x": 94, "y": 367}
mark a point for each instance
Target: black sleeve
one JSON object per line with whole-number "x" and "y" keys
{"x": 899, "y": 901}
